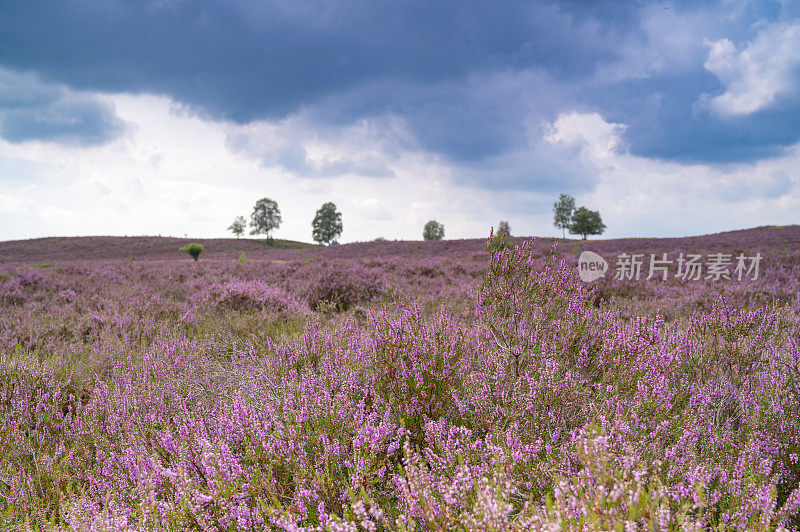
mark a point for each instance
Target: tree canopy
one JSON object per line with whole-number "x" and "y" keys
{"x": 562, "y": 212}
{"x": 238, "y": 226}
{"x": 266, "y": 216}
{"x": 193, "y": 250}
{"x": 327, "y": 224}
{"x": 586, "y": 222}
{"x": 433, "y": 230}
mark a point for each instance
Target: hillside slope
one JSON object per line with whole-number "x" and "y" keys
{"x": 67, "y": 249}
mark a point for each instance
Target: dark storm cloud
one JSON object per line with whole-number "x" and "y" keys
{"x": 467, "y": 77}
{"x": 665, "y": 119}
{"x": 31, "y": 110}
{"x": 246, "y": 60}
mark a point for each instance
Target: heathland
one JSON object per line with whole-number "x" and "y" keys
{"x": 439, "y": 385}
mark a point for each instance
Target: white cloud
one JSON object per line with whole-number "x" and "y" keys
{"x": 299, "y": 146}
{"x": 16, "y": 204}
{"x": 373, "y": 209}
{"x": 640, "y": 196}
{"x": 175, "y": 174}
{"x": 600, "y": 139}
{"x": 760, "y": 73}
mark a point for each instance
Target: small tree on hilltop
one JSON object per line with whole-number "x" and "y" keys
{"x": 586, "y": 222}
{"x": 266, "y": 217}
{"x": 193, "y": 249}
{"x": 327, "y": 224}
{"x": 433, "y": 231}
{"x": 562, "y": 212}
{"x": 238, "y": 226}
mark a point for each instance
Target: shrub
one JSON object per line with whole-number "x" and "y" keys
{"x": 428, "y": 267}
{"x": 503, "y": 228}
{"x": 12, "y": 294}
{"x": 193, "y": 249}
{"x": 30, "y": 278}
{"x": 521, "y": 294}
{"x": 498, "y": 241}
{"x": 344, "y": 287}
{"x": 16, "y": 289}
{"x": 253, "y": 295}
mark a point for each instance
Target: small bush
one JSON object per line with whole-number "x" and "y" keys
{"x": 12, "y": 294}
{"x": 253, "y": 295}
{"x": 344, "y": 287}
{"x": 503, "y": 228}
{"x": 499, "y": 241}
{"x": 30, "y": 278}
{"x": 193, "y": 249}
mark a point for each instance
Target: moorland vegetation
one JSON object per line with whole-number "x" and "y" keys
{"x": 441, "y": 385}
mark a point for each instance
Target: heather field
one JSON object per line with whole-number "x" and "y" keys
{"x": 397, "y": 386}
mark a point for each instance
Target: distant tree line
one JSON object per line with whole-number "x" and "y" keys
{"x": 266, "y": 217}
{"x": 327, "y": 226}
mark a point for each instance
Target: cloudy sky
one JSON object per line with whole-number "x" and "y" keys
{"x": 172, "y": 117}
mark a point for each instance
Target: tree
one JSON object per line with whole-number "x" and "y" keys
{"x": 266, "y": 217}
{"x": 193, "y": 249}
{"x": 586, "y": 222}
{"x": 503, "y": 228}
{"x": 433, "y": 231}
{"x": 327, "y": 224}
{"x": 238, "y": 226}
{"x": 562, "y": 212}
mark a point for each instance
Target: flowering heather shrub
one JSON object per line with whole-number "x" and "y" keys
{"x": 11, "y": 293}
{"x": 527, "y": 304}
{"x": 427, "y": 267}
{"x": 249, "y": 295}
{"x": 31, "y": 279}
{"x": 18, "y": 286}
{"x": 537, "y": 410}
{"x": 344, "y": 286}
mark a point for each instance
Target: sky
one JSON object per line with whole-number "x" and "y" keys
{"x": 172, "y": 117}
